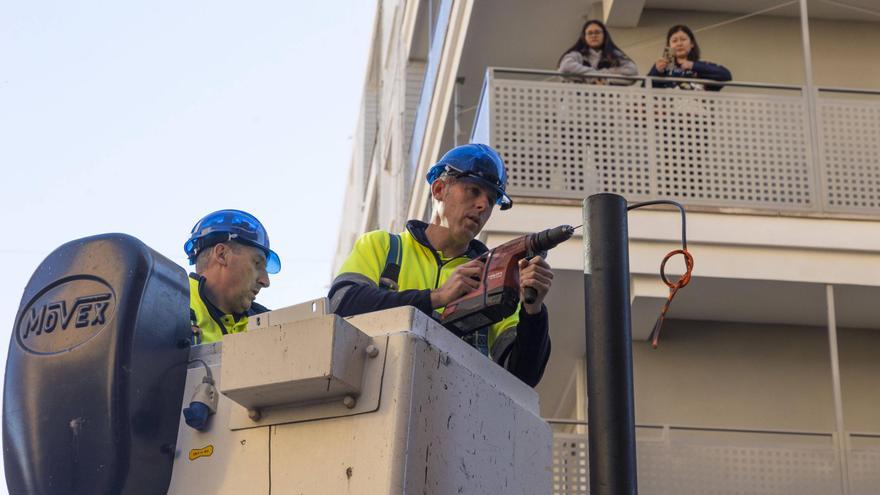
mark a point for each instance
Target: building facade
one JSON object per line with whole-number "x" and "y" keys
{"x": 765, "y": 379}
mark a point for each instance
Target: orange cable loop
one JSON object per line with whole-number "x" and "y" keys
{"x": 673, "y": 288}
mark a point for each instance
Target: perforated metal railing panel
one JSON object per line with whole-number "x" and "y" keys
{"x": 850, "y": 149}
{"x": 864, "y": 465}
{"x": 570, "y": 464}
{"x": 741, "y": 150}
{"x": 724, "y": 463}
{"x": 734, "y": 150}
{"x": 560, "y": 141}
{"x": 728, "y": 470}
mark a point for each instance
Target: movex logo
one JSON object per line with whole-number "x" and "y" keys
{"x": 89, "y": 310}
{"x": 66, "y": 315}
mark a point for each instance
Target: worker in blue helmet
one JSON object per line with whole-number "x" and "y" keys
{"x": 232, "y": 258}
{"x": 431, "y": 264}
{"x": 478, "y": 162}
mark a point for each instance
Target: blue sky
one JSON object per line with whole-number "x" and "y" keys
{"x": 142, "y": 117}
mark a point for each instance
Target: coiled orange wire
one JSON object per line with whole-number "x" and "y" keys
{"x": 688, "y": 261}
{"x": 673, "y": 288}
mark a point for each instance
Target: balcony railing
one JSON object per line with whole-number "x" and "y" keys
{"x": 751, "y": 146}
{"x": 680, "y": 459}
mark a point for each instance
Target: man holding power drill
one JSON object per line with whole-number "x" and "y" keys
{"x": 431, "y": 265}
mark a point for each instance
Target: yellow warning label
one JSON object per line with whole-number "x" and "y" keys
{"x": 202, "y": 452}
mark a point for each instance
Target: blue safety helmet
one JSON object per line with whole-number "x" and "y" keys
{"x": 476, "y": 161}
{"x": 230, "y": 225}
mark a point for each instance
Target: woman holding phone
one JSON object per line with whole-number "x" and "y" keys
{"x": 681, "y": 58}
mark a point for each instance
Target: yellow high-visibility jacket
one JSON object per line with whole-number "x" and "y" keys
{"x": 520, "y": 342}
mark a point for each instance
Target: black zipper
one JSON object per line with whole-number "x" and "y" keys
{"x": 440, "y": 266}
{"x": 427, "y": 245}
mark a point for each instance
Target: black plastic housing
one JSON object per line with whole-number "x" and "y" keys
{"x": 96, "y": 371}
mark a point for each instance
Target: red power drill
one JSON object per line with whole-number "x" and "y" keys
{"x": 497, "y": 297}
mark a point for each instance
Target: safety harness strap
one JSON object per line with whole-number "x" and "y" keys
{"x": 391, "y": 272}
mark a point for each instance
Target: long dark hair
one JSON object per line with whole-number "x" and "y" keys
{"x": 694, "y": 54}
{"x": 611, "y": 55}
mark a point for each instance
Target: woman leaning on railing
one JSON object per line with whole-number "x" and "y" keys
{"x": 595, "y": 54}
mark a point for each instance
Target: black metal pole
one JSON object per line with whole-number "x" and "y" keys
{"x": 612, "y": 438}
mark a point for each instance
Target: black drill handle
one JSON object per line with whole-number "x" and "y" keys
{"x": 540, "y": 244}
{"x": 531, "y": 295}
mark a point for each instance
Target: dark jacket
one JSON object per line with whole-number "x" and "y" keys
{"x": 701, "y": 70}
